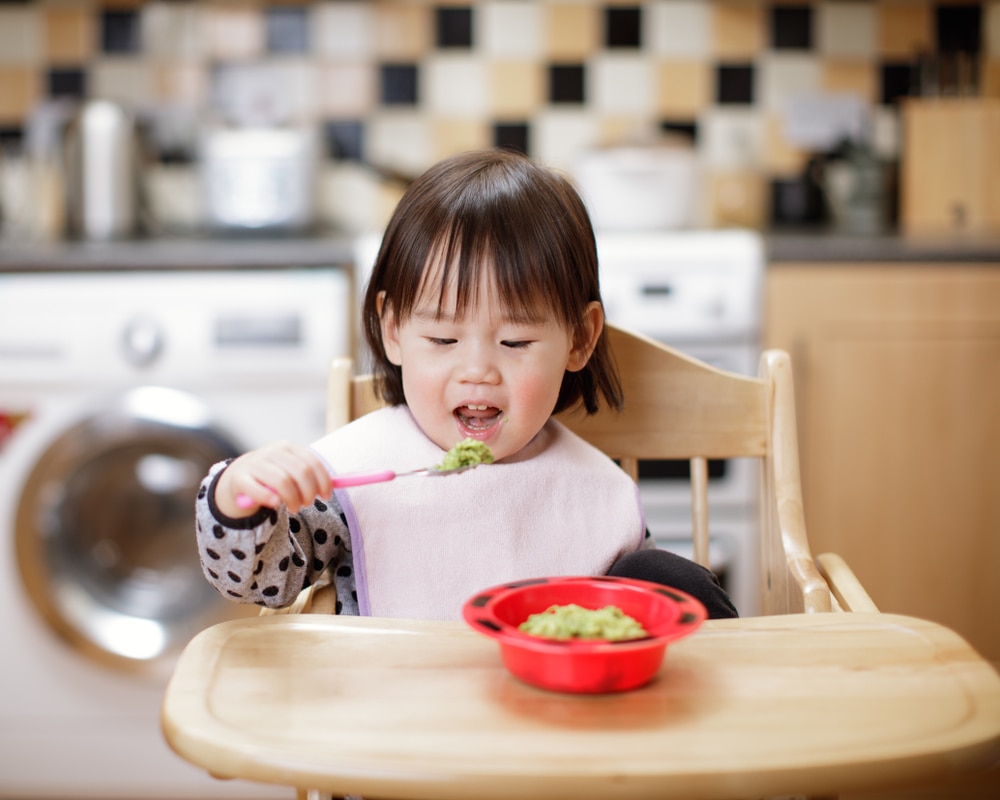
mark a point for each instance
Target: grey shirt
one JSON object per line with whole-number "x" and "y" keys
{"x": 268, "y": 558}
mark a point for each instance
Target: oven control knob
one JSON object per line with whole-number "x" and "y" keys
{"x": 142, "y": 342}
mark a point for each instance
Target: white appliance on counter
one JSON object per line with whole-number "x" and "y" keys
{"x": 118, "y": 390}
{"x": 701, "y": 292}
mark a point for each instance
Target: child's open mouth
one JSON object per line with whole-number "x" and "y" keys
{"x": 479, "y": 418}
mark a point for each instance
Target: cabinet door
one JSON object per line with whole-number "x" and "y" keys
{"x": 898, "y": 386}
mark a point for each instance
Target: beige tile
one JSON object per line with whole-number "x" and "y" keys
{"x": 20, "y": 89}
{"x": 781, "y": 158}
{"x": 403, "y": 31}
{"x": 573, "y": 30}
{"x": 182, "y": 84}
{"x": 70, "y": 34}
{"x": 736, "y": 199}
{"x": 517, "y": 88}
{"x": 684, "y": 87}
{"x": 850, "y": 76}
{"x": 234, "y": 31}
{"x": 738, "y": 28}
{"x": 452, "y": 136}
{"x": 618, "y": 130}
{"x": 905, "y": 27}
{"x": 348, "y": 90}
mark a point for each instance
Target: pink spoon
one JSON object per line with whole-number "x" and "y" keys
{"x": 378, "y": 476}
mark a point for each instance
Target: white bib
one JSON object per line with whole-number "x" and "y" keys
{"x": 424, "y": 545}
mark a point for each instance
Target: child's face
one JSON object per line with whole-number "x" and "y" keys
{"x": 482, "y": 376}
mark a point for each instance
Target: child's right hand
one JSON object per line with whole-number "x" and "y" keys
{"x": 269, "y": 476}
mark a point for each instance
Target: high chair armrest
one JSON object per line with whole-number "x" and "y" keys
{"x": 847, "y": 589}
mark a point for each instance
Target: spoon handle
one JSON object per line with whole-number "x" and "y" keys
{"x": 362, "y": 478}
{"x": 339, "y": 482}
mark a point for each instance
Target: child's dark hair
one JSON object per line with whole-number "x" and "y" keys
{"x": 494, "y": 210}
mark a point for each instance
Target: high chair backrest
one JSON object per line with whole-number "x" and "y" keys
{"x": 677, "y": 407}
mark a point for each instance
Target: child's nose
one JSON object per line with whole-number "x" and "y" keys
{"x": 479, "y": 367}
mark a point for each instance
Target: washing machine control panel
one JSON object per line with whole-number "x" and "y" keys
{"x": 191, "y": 328}
{"x": 142, "y": 341}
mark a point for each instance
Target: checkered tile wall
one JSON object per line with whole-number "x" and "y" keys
{"x": 402, "y": 83}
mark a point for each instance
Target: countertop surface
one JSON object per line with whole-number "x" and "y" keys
{"x": 334, "y": 249}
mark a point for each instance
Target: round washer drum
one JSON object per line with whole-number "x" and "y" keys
{"x": 103, "y": 527}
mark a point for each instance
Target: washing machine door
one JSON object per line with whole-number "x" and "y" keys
{"x": 105, "y": 528}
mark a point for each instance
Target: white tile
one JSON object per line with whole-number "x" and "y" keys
{"x": 125, "y": 80}
{"x": 847, "y": 30}
{"x": 20, "y": 36}
{"x": 560, "y": 136}
{"x": 400, "y": 140}
{"x": 618, "y": 83}
{"x": 992, "y": 29}
{"x": 343, "y": 30}
{"x": 678, "y": 28}
{"x": 779, "y": 76}
{"x": 455, "y": 84}
{"x": 268, "y": 92}
{"x": 512, "y": 28}
{"x": 731, "y": 138}
{"x": 175, "y": 30}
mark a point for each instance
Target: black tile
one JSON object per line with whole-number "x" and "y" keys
{"x": 791, "y": 27}
{"x": 399, "y": 84}
{"x": 287, "y": 29}
{"x": 11, "y": 136}
{"x": 959, "y": 27}
{"x": 66, "y": 82}
{"x": 454, "y": 26}
{"x": 345, "y": 140}
{"x": 566, "y": 83}
{"x": 896, "y": 82}
{"x": 687, "y": 129}
{"x": 512, "y": 136}
{"x": 622, "y": 26}
{"x": 734, "y": 84}
{"x": 120, "y": 31}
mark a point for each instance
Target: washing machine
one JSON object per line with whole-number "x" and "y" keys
{"x": 117, "y": 391}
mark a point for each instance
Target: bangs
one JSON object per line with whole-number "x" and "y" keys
{"x": 470, "y": 262}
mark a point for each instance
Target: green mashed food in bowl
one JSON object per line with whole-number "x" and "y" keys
{"x": 576, "y": 622}
{"x": 467, "y": 453}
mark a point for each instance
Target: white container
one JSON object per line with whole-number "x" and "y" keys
{"x": 639, "y": 187}
{"x": 260, "y": 178}
{"x": 101, "y": 153}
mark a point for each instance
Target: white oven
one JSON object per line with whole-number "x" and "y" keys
{"x": 699, "y": 291}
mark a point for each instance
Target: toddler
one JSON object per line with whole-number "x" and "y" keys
{"x": 484, "y": 318}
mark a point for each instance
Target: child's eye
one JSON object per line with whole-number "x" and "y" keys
{"x": 440, "y": 341}
{"x": 516, "y": 344}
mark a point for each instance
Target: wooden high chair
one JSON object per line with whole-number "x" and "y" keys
{"x": 677, "y": 407}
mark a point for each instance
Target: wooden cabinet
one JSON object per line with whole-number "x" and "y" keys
{"x": 897, "y": 374}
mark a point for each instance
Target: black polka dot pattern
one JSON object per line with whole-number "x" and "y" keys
{"x": 268, "y": 558}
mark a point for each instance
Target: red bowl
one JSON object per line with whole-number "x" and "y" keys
{"x": 584, "y": 665}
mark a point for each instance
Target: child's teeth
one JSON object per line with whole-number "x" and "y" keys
{"x": 478, "y": 408}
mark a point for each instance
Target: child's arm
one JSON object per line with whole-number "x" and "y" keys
{"x": 269, "y": 557}
{"x": 276, "y": 474}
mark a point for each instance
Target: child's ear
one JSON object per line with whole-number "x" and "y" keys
{"x": 585, "y": 337}
{"x": 390, "y": 330}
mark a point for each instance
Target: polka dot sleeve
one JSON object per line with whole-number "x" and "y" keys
{"x": 268, "y": 558}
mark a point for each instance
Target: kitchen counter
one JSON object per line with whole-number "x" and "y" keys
{"x": 176, "y": 253}
{"x": 829, "y": 247}
{"x": 337, "y": 249}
